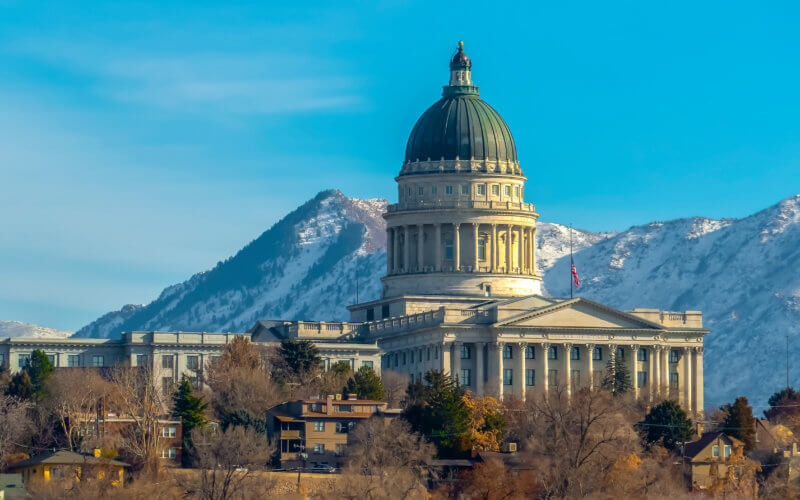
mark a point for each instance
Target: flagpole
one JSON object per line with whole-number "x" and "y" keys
{"x": 570, "y": 261}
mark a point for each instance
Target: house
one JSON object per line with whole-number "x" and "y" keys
{"x": 70, "y": 465}
{"x": 314, "y": 431}
{"x": 11, "y": 487}
{"x": 715, "y": 458}
{"x": 775, "y": 446}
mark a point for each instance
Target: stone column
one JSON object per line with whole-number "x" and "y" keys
{"x": 652, "y": 361}
{"x": 687, "y": 379}
{"x": 698, "y": 404}
{"x": 389, "y": 250}
{"x": 479, "y": 368}
{"x": 567, "y": 378}
{"x": 500, "y": 384}
{"x": 407, "y": 250}
{"x": 438, "y": 252}
{"x": 457, "y": 246}
{"x": 521, "y": 249}
{"x": 590, "y": 365}
{"x": 664, "y": 360}
{"x": 475, "y": 261}
{"x": 457, "y": 361}
{"x": 420, "y": 247}
{"x": 522, "y": 364}
{"x": 545, "y": 378}
{"x": 494, "y": 248}
{"x": 633, "y": 364}
{"x": 444, "y": 350}
{"x": 533, "y": 250}
{"x": 508, "y": 249}
{"x": 396, "y": 251}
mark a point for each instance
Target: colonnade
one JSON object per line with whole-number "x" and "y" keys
{"x": 509, "y": 368}
{"x": 401, "y": 242}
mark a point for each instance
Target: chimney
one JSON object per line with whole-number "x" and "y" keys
{"x": 338, "y": 397}
{"x": 329, "y": 404}
{"x": 352, "y": 397}
{"x": 97, "y": 452}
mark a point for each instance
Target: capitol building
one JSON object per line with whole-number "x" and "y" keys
{"x": 461, "y": 291}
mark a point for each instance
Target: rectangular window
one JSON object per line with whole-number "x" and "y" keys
{"x": 552, "y": 352}
{"x": 530, "y": 352}
{"x": 141, "y": 360}
{"x": 641, "y": 379}
{"x": 466, "y": 378}
{"x": 340, "y": 449}
{"x": 516, "y": 192}
{"x": 319, "y": 426}
{"x": 411, "y": 360}
{"x": 319, "y": 448}
{"x": 466, "y": 351}
{"x": 215, "y": 359}
{"x": 168, "y": 432}
{"x": 597, "y": 354}
{"x": 530, "y": 377}
{"x": 495, "y": 190}
{"x": 436, "y": 352}
{"x": 52, "y": 358}
{"x": 552, "y": 377}
{"x": 385, "y": 311}
{"x": 673, "y": 380}
{"x": 166, "y": 385}
{"x": 370, "y": 314}
{"x": 448, "y": 249}
{"x": 620, "y": 353}
{"x": 641, "y": 354}
{"x": 448, "y": 190}
{"x": 192, "y": 362}
{"x": 481, "y": 189}
{"x": 715, "y": 451}
{"x": 343, "y": 408}
{"x": 421, "y": 190}
{"x": 73, "y": 360}
{"x": 434, "y": 190}
{"x": 465, "y": 189}
{"x": 575, "y": 378}
{"x": 428, "y": 355}
{"x": 507, "y": 191}
{"x": 344, "y": 427}
{"x": 508, "y": 352}
{"x": 170, "y": 453}
{"x": 404, "y": 359}
{"x": 575, "y": 353}
{"x": 2, "y": 360}
{"x": 674, "y": 356}
{"x": 508, "y": 376}
{"x": 482, "y": 249}
{"x": 24, "y": 359}
{"x": 98, "y": 360}
{"x": 166, "y": 361}
{"x": 726, "y": 450}
{"x": 367, "y": 363}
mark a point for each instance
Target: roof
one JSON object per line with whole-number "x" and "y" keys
{"x": 691, "y": 450}
{"x": 66, "y": 457}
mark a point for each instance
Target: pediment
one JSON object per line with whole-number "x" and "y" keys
{"x": 579, "y": 313}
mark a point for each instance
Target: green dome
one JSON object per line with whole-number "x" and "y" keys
{"x": 461, "y": 125}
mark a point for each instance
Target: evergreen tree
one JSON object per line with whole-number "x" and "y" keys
{"x": 783, "y": 405}
{"x": 299, "y": 357}
{"x": 739, "y": 422}
{"x": 20, "y": 386}
{"x": 366, "y": 384}
{"x": 39, "y": 368}
{"x": 436, "y": 409}
{"x": 191, "y": 410}
{"x": 341, "y": 369}
{"x": 667, "y": 424}
{"x": 243, "y": 418}
{"x": 617, "y": 379}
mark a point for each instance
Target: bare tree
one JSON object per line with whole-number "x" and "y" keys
{"x": 228, "y": 461}
{"x": 15, "y": 426}
{"x": 73, "y": 396}
{"x": 394, "y": 387}
{"x": 492, "y": 480}
{"x": 134, "y": 394}
{"x": 385, "y": 459}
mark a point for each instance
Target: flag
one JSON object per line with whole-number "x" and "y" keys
{"x": 574, "y": 273}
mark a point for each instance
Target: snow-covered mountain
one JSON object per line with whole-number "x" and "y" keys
{"x": 19, "y": 329}
{"x": 742, "y": 273}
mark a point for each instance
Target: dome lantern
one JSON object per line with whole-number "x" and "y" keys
{"x": 460, "y": 68}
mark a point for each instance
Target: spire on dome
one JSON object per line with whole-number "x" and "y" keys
{"x": 460, "y": 68}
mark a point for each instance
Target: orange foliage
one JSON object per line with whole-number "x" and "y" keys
{"x": 484, "y": 415}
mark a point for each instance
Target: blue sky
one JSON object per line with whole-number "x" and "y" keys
{"x": 143, "y": 142}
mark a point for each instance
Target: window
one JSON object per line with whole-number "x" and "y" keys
{"x": 466, "y": 378}
{"x": 575, "y": 353}
{"x": 715, "y": 451}
{"x": 575, "y": 378}
{"x": 552, "y": 377}
{"x": 315, "y": 407}
{"x": 344, "y": 427}
{"x": 448, "y": 190}
{"x": 516, "y": 191}
{"x": 620, "y": 353}
{"x": 343, "y": 408}
{"x": 674, "y": 356}
{"x": 404, "y": 359}
{"x": 24, "y": 359}
{"x": 507, "y": 191}
{"x": 171, "y": 453}
{"x": 641, "y": 379}
{"x": 508, "y": 352}
{"x": 495, "y": 190}
{"x": 367, "y": 363}
{"x": 726, "y": 450}
{"x": 319, "y": 426}
{"x": 340, "y": 449}
{"x": 166, "y": 361}
{"x": 168, "y": 432}
{"x": 385, "y": 311}
{"x": 75, "y": 360}
{"x": 530, "y": 377}
{"x": 191, "y": 362}
{"x": 466, "y": 351}
{"x": 428, "y": 356}
{"x": 508, "y": 376}
{"x": 98, "y": 360}
{"x": 448, "y": 249}
{"x": 552, "y": 352}
{"x": 436, "y": 352}
{"x": 141, "y": 360}
{"x": 465, "y": 189}
{"x": 2, "y": 360}
{"x": 481, "y": 189}
{"x": 421, "y": 190}
{"x": 412, "y": 379}
{"x": 530, "y": 353}
{"x": 434, "y": 190}
{"x": 482, "y": 249}
{"x": 166, "y": 385}
{"x": 673, "y": 380}
{"x": 319, "y": 448}
{"x": 641, "y": 354}
{"x": 52, "y": 358}
{"x": 370, "y": 314}
{"x": 408, "y": 191}
{"x": 411, "y": 360}
{"x": 215, "y": 359}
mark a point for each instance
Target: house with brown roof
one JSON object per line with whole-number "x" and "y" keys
{"x": 70, "y": 465}
{"x": 714, "y": 459}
